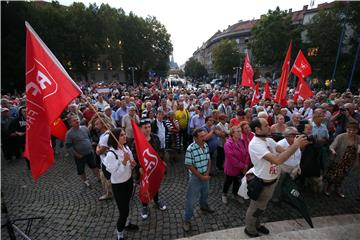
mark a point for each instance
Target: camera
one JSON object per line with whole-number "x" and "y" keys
{"x": 310, "y": 138}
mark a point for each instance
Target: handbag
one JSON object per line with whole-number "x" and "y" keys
{"x": 254, "y": 186}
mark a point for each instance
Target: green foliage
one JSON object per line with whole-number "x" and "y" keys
{"x": 82, "y": 37}
{"x": 226, "y": 56}
{"x": 194, "y": 69}
{"x": 324, "y": 33}
{"x": 271, "y": 35}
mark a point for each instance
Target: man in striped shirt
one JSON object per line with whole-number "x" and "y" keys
{"x": 197, "y": 161}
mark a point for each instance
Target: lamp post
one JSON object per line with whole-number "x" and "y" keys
{"x": 132, "y": 73}
{"x": 238, "y": 69}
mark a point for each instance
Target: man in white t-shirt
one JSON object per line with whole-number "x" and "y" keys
{"x": 266, "y": 157}
{"x": 290, "y": 166}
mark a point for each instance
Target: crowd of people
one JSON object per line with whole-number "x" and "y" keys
{"x": 214, "y": 131}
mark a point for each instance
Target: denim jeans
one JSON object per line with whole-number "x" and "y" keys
{"x": 195, "y": 187}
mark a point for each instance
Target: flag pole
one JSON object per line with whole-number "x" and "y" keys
{"x": 101, "y": 118}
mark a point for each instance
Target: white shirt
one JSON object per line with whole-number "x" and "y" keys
{"x": 103, "y": 140}
{"x": 100, "y": 106}
{"x": 294, "y": 160}
{"x": 258, "y": 148}
{"x": 161, "y": 133}
{"x": 119, "y": 172}
{"x": 307, "y": 114}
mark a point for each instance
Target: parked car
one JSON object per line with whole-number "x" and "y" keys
{"x": 217, "y": 82}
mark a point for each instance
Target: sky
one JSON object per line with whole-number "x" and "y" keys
{"x": 192, "y": 22}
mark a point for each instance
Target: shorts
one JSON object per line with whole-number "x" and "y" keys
{"x": 87, "y": 159}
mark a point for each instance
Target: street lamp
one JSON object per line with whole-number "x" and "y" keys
{"x": 238, "y": 69}
{"x": 132, "y": 73}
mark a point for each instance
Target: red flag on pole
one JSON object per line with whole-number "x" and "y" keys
{"x": 301, "y": 67}
{"x": 248, "y": 73}
{"x": 280, "y": 96}
{"x": 58, "y": 129}
{"x": 267, "y": 94}
{"x": 256, "y": 96}
{"x": 150, "y": 162}
{"x": 49, "y": 89}
{"x": 302, "y": 90}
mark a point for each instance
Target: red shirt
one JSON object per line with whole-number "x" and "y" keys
{"x": 215, "y": 99}
{"x": 88, "y": 114}
{"x": 234, "y": 121}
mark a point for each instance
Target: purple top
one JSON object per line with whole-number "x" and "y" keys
{"x": 236, "y": 157}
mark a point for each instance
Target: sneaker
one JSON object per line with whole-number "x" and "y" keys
{"x": 186, "y": 226}
{"x": 144, "y": 213}
{"x": 224, "y": 199}
{"x": 262, "y": 229}
{"x": 252, "y": 235}
{"x": 161, "y": 206}
{"x": 131, "y": 227}
{"x": 207, "y": 209}
{"x": 87, "y": 183}
{"x": 105, "y": 197}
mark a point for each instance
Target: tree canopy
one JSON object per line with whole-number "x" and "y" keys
{"x": 194, "y": 69}
{"x": 226, "y": 57}
{"x": 83, "y": 38}
{"x": 271, "y": 35}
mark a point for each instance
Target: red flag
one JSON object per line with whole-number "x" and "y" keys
{"x": 49, "y": 89}
{"x": 150, "y": 162}
{"x": 256, "y": 96}
{"x": 302, "y": 90}
{"x": 280, "y": 96}
{"x": 58, "y": 129}
{"x": 248, "y": 73}
{"x": 301, "y": 67}
{"x": 267, "y": 94}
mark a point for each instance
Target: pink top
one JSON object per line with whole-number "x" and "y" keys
{"x": 236, "y": 157}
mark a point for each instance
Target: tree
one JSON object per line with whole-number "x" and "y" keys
{"x": 327, "y": 23}
{"x": 226, "y": 56}
{"x": 83, "y": 38}
{"x": 270, "y": 37}
{"x": 194, "y": 69}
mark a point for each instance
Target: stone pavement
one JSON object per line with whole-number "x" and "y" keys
{"x": 72, "y": 211}
{"x": 345, "y": 226}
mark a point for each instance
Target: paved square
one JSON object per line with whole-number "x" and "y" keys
{"x": 72, "y": 211}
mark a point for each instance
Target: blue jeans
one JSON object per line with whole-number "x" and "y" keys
{"x": 195, "y": 187}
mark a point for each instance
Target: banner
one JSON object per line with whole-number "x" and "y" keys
{"x": 153, "y": 167}
{"x": 248, "y": 73}
{"x": 49, "y": 89}
{"x": 280, "y": 96}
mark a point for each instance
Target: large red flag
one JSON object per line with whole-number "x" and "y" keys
{"x": 302, "y": 90}
{"x": 58, "y": 129}
{"x": 256, "y": 96}
{"x": 301, "y": 67}
{"x": 280, "y": 96}
{"x": 267, "y": 94}
{"x": 248, "y": 73}
{"x": 150, "y": 162}
{"x": 49, "y": 89}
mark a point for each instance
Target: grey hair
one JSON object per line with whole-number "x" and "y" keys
{"x": 290, "y": 130}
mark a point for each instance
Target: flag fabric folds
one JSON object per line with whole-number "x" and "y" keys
{"x": 49, "y": 89}
{"x": 280, "y": 96}
{"x": 267, "y": 94}
{"x": 153, "y": 167}
{"x": 301, "y": 67}
{"x": 247, "y": 74}
{"x": 302, "y": 90}
{"x": 58, "y": 129}
{"x": 256, "y": 96}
